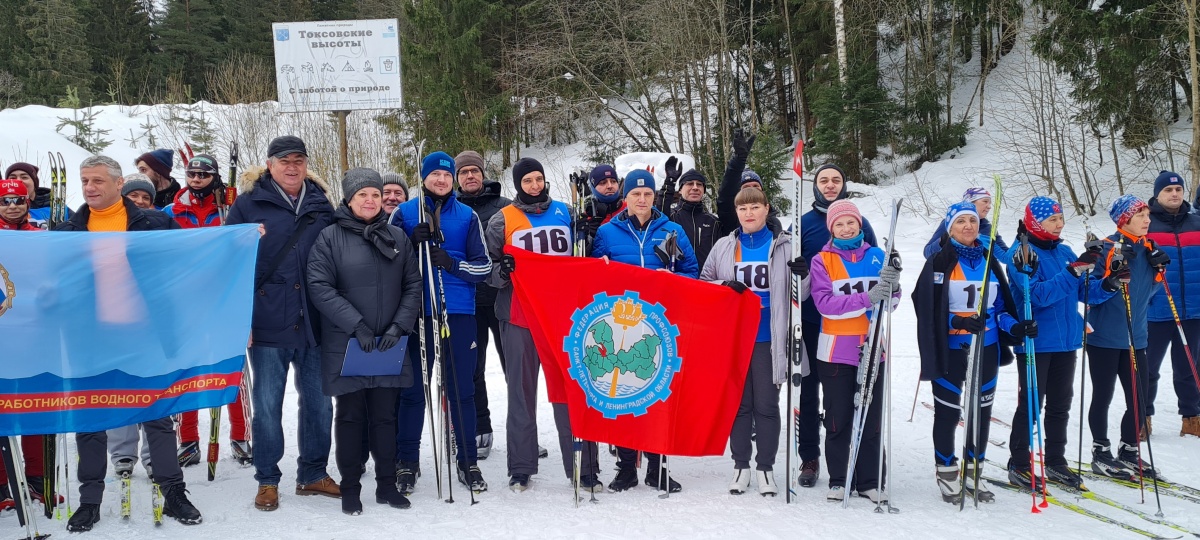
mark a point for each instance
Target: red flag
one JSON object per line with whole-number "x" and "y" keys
{"x": 644, "y": 359}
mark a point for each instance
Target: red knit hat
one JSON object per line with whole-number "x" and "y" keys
{"x": 13, "y": 188}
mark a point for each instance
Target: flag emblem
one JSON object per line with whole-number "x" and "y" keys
{"x": 623, "y": 353}
{"x": 7, "y": 292}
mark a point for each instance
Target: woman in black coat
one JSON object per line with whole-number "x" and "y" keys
{"x": 363, "y": 279}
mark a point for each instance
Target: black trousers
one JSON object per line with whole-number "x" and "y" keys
{"x": 627, "y": 459}
{"x": 758, "y": 410}
{"x": 1106, "y": 366}
{"x": 369, "y": 411}
{"x": 808, "y": 423}
{"x": 1163, "y": 334}
{"x": 840, "y": 382}
{"x": 947, "y": 404}
{"x": 485, "y": 321}
{"x": 1055, "y": 385}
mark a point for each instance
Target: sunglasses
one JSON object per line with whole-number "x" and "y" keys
{"x": 12, "y": 201}
{"x": 195, "y": 174}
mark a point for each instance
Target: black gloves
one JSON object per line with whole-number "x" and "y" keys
{"x": 1024, "y": 329}
{"x": 672, "y": 171}
{"x": 972, "y": 324}
{"x": 1026, "y": 261}
{"x": 441, "y": 259}
{"x": 507, "y": 265}
{"x": 586, "y": 226}
{"x": 1085, "y": 263}
{"x": 799, "y": 266}
{"x": 1159, "y": 258}
{"x": 737, "y": 286}
{"x": 365, "y": 337}
{"x": 742, "y": 144}
{"x": 1112, "y": 283}
{"x": 1089, "y": 257}
{"x": 580, "y": 180}
{"x": 421, "y": 233}
{"x": 390, "y": 338}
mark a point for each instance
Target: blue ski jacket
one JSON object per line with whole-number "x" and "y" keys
{"x": 624, "y": 243}
{"x": 1054, "y": 296}
{"x": 1179, "y": 236}
{"x": 1108, "y": 317}
{"x": 462, "y": 238}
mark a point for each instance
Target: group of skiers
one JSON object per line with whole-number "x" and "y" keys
{"x": 376, "y": 269}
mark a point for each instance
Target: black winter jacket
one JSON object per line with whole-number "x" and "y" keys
{"x": 701, "y": 226}
{"x": 485, "y": 204}
{"x": 350, "y": 281}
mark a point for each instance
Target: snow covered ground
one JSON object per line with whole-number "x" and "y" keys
{"x": 703, "y": 510}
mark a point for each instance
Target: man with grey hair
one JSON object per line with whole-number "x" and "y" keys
{"x": 107, "y": 211}
{"x": 292, "y": 204}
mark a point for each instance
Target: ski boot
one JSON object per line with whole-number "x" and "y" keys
{"x": 1022, "y": 477}
{"x": 189, "y": 454}
{"x": 243, "y": 453}
{"x": 483, "y": 445}
{"x": 836, "y": 494}
{"x": 518, "y": 482}
{"x": 407, "y": 473}
{"x": 1104, "y": 464}
{"x": 1064, "y": 476}
{"x": 766, "y": 483}
{"x": 979, "y": 489}
{"x": 625, "y": 479}
{"x": 177, "y": 505}
{"x": 472, "y": 477}
{"x": 873, "y": 495}
{"x": 84, "y": 518}
{"x": 654, "y": 477}
{"x": 948, "y": 483}
{"x": 590, "y": 482}
{"x": 124, "y": 467}
{"x": 1128, "y": 456}
{"x": 740, "y": 482}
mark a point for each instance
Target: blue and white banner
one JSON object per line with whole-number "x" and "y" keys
{"x": 102, "y": 330}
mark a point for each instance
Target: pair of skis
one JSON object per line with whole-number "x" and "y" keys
{"x": 972, "y": 446}
{"x": 58, "y": 189}
{"x": 879, "y": 338}
{"x": 225, "y": 196}
{"x": 18, "y": 486}
{"x": 156, "y": 499}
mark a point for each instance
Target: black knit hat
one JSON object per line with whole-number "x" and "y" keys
{"x": 523, "y": 167}
{"x": 692, "y": 175}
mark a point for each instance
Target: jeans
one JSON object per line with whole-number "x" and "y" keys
{"x": 270, "y": 366}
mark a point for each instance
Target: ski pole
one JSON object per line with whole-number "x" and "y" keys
{"x": 916, "y": 393}
{"x": 1093, "y": 243}
{"x": 1138, "y": 400}
{"x": 1179, "y": 326}
{"x": 1133, "y": 375}
{"x": 423, "y": 262}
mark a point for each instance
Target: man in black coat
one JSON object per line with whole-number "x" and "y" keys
{"x": 483, "y": 196}
{"x": 698, "y": 222}
{"x": 107, "y": 211}
{"x": 291, "y": 205}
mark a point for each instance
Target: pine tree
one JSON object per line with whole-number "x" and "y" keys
{"x": 119, "y": 40}
{"x": 54, "y": 54}
{"x": 1117, "y": 56}
{"x": 189, "y": 37}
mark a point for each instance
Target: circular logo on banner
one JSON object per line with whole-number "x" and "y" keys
{"x": 8, "y": 290}
{"x": 623, "y": 353}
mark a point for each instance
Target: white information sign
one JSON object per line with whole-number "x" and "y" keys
{"x": 337, "y": 65}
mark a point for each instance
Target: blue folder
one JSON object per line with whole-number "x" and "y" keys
{"x": 375, "y": 363}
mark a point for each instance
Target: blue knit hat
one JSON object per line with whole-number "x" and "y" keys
{"x": 1124, "y": 208}
{"x": 958, "y": 209}
{"x": 637, "y": 178}
{"x": 750, "y": 176}
{"x": 1166, "y": 178}
{"x": 603, "y": 172}
{"x": 437, "y": 161}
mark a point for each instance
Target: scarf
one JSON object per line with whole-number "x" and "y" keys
{"x": 374, "y": 232}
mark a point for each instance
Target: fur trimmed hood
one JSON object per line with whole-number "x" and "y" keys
{"x": 254, "y": 174}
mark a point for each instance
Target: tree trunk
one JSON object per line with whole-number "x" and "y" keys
{"x": 1194, "y": 65}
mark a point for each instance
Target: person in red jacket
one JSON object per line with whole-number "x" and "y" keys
{"x": 14, "y": 206}
{"x": 194, "y": 207}
{"x": 14, "y": 216}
